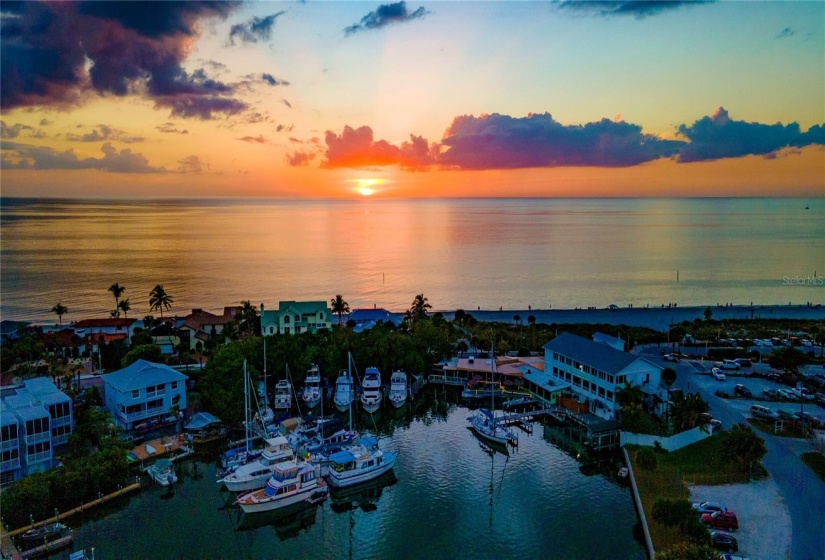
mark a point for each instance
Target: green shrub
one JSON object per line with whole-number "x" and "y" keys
{"x": 647, "y": 459}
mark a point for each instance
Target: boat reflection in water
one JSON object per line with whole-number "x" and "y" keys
{"x": 364, "y": 496}
{"x": 288, "y": 522}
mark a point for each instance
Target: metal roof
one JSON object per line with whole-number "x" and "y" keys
{"x": 140, "y": 375}
{"x": 201, "y": 420}
{"x": 594, "y": 354}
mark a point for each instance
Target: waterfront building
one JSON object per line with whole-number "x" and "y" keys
{"x": 367, "y": 318}
{"x": 597, "y": 370}
{"x": 35, "y": 418}
{"x": 200, "y": 326}
{"x": 296, "y": 317}
{"x": 144, "y": 393}
{"x": 108, "y": 326}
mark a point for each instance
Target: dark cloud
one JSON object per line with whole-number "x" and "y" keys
{"x": 191, "y": 164}
{"x": 273, "y": 81}
{"x": 357, "y": 148}
{"x": 170, "y": 128}
{"x": 503, "y": 142}
{"x": 58, "y": 53}
{"x": 254, "y": 139}
{"x": 45, "y": 122}
{"x": 636, "y": 8}
{"x": 385, "y": 15}
{"x": 255, "y": 30}
{"x": 287, "y": 103}
{"x": 283, "y": 127}
{"x": 254, "y": 118}
{"x": 717, "y": 136}
{"x": 299, "y": 159}
{"x": 787, "y": 32}
{"x": 13, "y": 131}
{"x": 103, "y": 133}
{"x": 25, "y": 156}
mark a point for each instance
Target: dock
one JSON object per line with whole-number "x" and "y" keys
{"x": 48, "y": 547}
{"x": 174, "y": 447}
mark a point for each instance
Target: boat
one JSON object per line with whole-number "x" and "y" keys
{"x": 44, "y": 531}
{"x": 312, "y": 387}
{"x": 344, "y": 393}
{"x": 360, "y": 463}
{"x": 163, "y": 472}
{"x": 291, "y": 482}
{"x": 283, "y": 395}
{"x": 486, "y": 425}
{"x": 371, "y": 394}
{"x": 254, "y": 475}
{"x": 398, "y": 389}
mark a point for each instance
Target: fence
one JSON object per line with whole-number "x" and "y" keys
{"x": 671, "y": 443}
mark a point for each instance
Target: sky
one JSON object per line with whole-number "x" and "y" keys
{"x": 412, "y": 99}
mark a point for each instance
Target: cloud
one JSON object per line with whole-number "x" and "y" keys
{"x": 299, "y": 159}
{"x": 636, "y": 8}
{"x": 104, "y": 133}
{"x": 273, "y": 81}
{"x": 718, "y": 136}
{"x": 357, "y": 148}
{"x": 254, "y": 139}
{"x": 12, "y": 131}
{"x": 283, "y": 127}
{"x": 191, "y": 164}
{"x": 385, "y": 15}
{"x": 503, "y": 142}
{"x": 59, "y": 53}
{"x": 45, "y": 122}
{"x": 287, "y": 103}
{"x": 170, "y": 128}
{"x": 25, "y": 156}
{"x": 255, "y": 30}
{"x": 787, "y": 32}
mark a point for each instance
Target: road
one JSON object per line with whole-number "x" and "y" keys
{"x": 801, "y": 490}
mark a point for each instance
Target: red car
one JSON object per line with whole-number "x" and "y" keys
{"x": 721, "y": 520}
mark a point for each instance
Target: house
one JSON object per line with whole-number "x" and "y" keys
{"x": 200, "y": 326}
{"x": 596, "y": 371}
{"x": 35, "y": 418}
{"x": 144, "y": 393}
{"x": 367, "y": 318}
{"x": 104, "y": 326}
{"x": 296, "y": 317}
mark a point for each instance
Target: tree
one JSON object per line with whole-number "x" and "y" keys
{"x": 687, "y": 410}
{"x": 708, "y": 314}
{"x": 149, "y": 323}
{"x": 647, "y": 459}
{"x": 689, "y": 551}
{"x": 148, "y": 352}
{"x": 250, "y": 317}
{"x": 531, "y": 320}
{"x": 117, "y": 291}
{"x": 787, "y": 359}
{"x": 125, "y": 307}
{"x": 418, "y": 309}
{"x": 60, "y": 310}
{"x": 159, "y": 299}
{"x": 668, "y": 378}
{"x": 629, "y": 394}
{"x": 744, "y": 447}
{"x": 339, "y": 307}
{"x": 517, "y": 321}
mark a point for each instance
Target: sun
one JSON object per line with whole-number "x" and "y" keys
{"x": 365, "y": 191}
{"x": 365, "y": 187}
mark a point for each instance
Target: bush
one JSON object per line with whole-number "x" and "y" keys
{"x": 647, "y": 459}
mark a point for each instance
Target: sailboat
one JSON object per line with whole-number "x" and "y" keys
{"x": 371, "y": 385}
{"x": 236, "y": 457}
{"x": 312, "y": 387}
{"x": 484, "y": 422}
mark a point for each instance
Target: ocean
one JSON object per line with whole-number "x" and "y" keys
{"x": 460, "y": 253}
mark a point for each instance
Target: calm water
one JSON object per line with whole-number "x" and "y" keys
{"x": 467, "y": 253}
{"x": 448, "y": 498}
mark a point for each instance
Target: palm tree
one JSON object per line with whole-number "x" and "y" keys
{"x": 687, "y": 410}
{"x": 149, "y": 323}
{"x": 531, "y": 320}
{"x": 125, "y": 307}
{"x": 158, "y": 299}
{"x": 61, "y": 310}
{"x": 668, "y": 378}
{"x": 249, "y": 316}
{"x": 517, "y": 320}
{"x": 117, "y": 290}
{"x": 419, "y": 308}
{"x": 340, "y": 307}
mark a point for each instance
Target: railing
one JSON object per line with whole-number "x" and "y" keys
{"x": 131, "y": 417}
{"x": 39, "y": 437}
{"x": 10, "y": 464}
{"x": 38, "y": 457}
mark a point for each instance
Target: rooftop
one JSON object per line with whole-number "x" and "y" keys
{"x": 141, "y": 374}
{"x": 594, "y": 354}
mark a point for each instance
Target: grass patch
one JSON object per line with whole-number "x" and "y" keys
{"x": 790, "y": 429}
{"x": 702, "y": 463}
{"x": 815, "y": 462}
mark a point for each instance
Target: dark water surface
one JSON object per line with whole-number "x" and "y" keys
{"x": 447, "y": 498}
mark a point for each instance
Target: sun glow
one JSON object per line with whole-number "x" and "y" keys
{"x": 365, "y": 187}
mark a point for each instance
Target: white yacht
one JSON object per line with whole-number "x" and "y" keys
{"x": 371, "y": 390}
{"x": 283, "y": 395}
{"x": 343, "y": 391}
{"x": 359, "y": 463}
{"x": 163, "y": 472}
{"x": 291, "y": 482}
{"x": 398, "y": 389}
{"x": 255, "y": 474}
{"x": 312, "y": 387}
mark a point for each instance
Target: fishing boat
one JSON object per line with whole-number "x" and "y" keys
{"x": 359, "y": 463}
{"x": 398, "y": 389}
{"x": 290, "y": 483}
{"x": 252, "y": 476}
{"x": 486, "y": 425}
{"x": 44, "y": 531}
{"x": 371, "y": 394}
{"x": 344, "y": 393}
{"x": 283, "y": 395}
{"x": 311, "y": 394}
{"x": 163, "y": 472}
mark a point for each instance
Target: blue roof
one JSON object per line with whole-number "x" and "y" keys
{"x": 201, "y": 420}
{"x": 40, "y": 386}
{"x": 594, "y": 354}
{"x": 368, "y": 441}
{"x": 29, "y": 411}
{"x": 140, "y": 375}
{"x": 342, "y": 457}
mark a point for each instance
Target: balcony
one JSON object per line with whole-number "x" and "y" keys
{"x": 142, "y": 414}
{"x": 39, "y": 437}
{"x": 38, "y": 457}
{"x": 10, "y": 465}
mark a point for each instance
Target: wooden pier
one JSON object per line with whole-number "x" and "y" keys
{"x": 47, "y": 548}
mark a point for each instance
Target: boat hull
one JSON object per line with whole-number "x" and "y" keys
{"x": 371, "y": 406}
{"x": 487, "y": 436}
{"x": 302, "y": 495}
{"x": 251, "y": 483}
{"x": 398, "y": 403}
{"x": 348, "y": 478}
{"x": 342, "y": 407}
{"x": 312, "y": 402}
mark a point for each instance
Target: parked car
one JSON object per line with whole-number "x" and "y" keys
{"x": 820, "y": 398}
{"x": 744, "y": 362}
{"x": 808, "y": 418}
{"x": 787, "y": 395}
{"x": 787, "y": 415}
{"x": 709, "y": 507}
{"x": 802, "y": 393}
{"x": 724, "y": 541}
{"x": 670, "y": 358}
{"x": 721, "y": 520}
{"x": 717, "y": 374}
{"x": 763, "y": 412}
{"x": 741, "y": 390}
{"x": 770, "y": 394}
{"x": 728, "y": 364}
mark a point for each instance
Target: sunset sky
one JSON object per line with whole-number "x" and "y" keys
{"x": 416, "y": 99}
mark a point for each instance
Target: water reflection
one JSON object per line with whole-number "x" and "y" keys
{"x": 364, "y": 496}
{"x": 288, "y": 522}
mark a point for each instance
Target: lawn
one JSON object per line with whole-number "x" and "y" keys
{"x": 790, "y": 429}
{"x": 815, "y": 462}
{"x": 702, "y": 463}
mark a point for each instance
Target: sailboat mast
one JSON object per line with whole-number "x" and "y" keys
{"x": 266, "y": 398}
{"x": 351, "y": 387}
{"x": 246, "y": 405}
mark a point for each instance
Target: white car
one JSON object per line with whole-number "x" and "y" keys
{"x": 787, "y": 395}
{"x": 717, "y": 374}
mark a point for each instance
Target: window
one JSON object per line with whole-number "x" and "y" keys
{"x": 10, "y": 455}
{"x": 59, "y": 410}
{"x": 61, "y": 431}
{"x": 173, "y": 385}
{"x": 270, "y": 330}
{"x": 136, "y": 394}
{"x": 321, "y": 316}
{"x": 41, "y": 447}
{"x": 609, "y": 395}
{"x": 9, "y": 433}
{"x": 286, "y": 319}
{"x": 610, "y": 379}
{"x": 37, "y": 426}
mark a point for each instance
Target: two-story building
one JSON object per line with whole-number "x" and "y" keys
{"x": 143, "y": 393}
{"x": 35, "y": 418}
{"x": 200, "y": 326}
{"x": 110, "y": 326}
{"x": 294, "y": 317}
{"x": 596, "y": 371}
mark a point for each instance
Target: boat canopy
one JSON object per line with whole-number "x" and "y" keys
{"x": 368, "y": 441}
{"x": 342, "y": 457}
{"x": 277, "y": 441}
{"x": 201, "y": 420}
